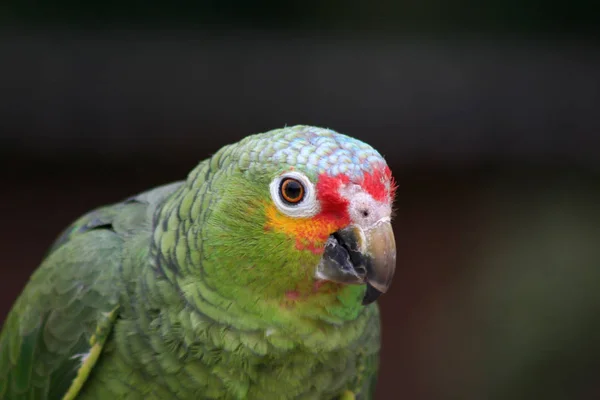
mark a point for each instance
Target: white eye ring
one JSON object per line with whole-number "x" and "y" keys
{"x": 307, "y": 207}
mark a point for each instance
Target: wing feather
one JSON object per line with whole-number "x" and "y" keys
{"x": 51, "y": 326}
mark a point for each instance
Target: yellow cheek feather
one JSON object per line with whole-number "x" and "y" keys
{"x": 309, "y": 233}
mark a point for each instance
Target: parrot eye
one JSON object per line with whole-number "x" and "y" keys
{"x": 294, "y": 195}
{"x": 291, "y": 190}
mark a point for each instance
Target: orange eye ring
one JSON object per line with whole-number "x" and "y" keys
{"x": 291, "y": 191}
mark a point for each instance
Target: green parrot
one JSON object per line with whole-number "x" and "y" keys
{"x": 255, "y": 278}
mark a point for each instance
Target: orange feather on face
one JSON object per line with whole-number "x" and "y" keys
{"x": 309, "y": 233}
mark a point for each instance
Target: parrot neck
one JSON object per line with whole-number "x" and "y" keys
{"x": 303, "y": 309}
{"x": 325, "y": 322}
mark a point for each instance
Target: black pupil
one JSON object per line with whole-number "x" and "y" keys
{"x": 292, "y": 190}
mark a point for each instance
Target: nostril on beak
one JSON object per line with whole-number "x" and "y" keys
{"x": 364, "y": 212}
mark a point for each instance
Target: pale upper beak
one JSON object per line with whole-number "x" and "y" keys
{"x": 356, "y": 255}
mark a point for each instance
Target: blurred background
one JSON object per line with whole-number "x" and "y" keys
{"x": 488, "y": 114}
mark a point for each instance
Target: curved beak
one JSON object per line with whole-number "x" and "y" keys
{"x": 354, "y": 255}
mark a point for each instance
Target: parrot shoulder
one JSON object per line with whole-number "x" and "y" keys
{"x": 55, "y": 331}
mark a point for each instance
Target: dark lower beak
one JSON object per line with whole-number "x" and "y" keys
{"x": 355, "y": 255}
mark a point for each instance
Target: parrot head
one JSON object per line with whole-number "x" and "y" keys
{"x": 300, "y": 214}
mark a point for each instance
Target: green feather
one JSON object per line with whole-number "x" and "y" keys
{"x": 24, "y": 368}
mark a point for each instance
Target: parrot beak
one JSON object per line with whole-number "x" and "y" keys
{"x": 354, "y": 255}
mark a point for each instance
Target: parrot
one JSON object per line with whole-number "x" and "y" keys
{"x": 255, "y": 277}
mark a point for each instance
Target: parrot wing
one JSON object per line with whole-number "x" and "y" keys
{"x": 55, "y": 331}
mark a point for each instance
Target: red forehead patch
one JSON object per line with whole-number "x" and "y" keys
{"x": 379, "y": 184}
{"x": 332, "y": 203}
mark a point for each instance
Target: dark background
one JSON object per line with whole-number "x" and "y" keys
{"x": 488, "y": 114}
